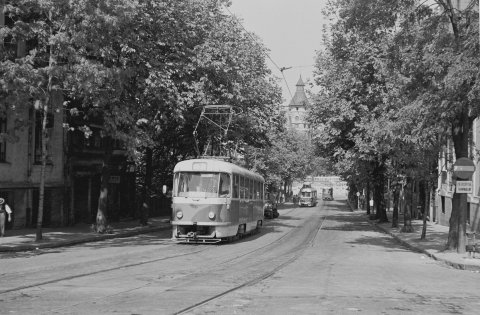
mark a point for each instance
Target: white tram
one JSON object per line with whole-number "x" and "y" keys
{"x": 308, "y": 196}
{"x": 215, "y": 200}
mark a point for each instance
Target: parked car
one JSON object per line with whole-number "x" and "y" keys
{"x": 270, "y": 210}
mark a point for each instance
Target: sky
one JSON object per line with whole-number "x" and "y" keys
{"x": 291, "y": 30}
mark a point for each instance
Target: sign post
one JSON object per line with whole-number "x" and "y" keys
{"x": 463, "y": 168}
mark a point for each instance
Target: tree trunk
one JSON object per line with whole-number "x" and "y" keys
{"x": 407, "y": 211}
{"x": 41, "y": 194}
{"x": 381, "y": 212}
{"x": 101, "y": 223}
{"x": 44, "y": 137}
{"x": 458, "y": 222}
{"x": 425, "y": 210}
{"x": 147, "y": 187}
{"x": 396, "y": 195}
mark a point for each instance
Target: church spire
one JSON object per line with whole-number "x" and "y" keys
{"x": 300, "y": 82}
{"x": 300, "y": 98}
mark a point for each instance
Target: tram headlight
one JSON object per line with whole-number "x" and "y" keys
{"x": 179, "y": 214}
{"x": 211, "y": 215}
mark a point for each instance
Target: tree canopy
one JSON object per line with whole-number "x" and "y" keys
{"x": 398, "y": 78}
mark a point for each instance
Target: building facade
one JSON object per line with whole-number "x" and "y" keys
{"x": 74, "y": 162}
{"x": 20, "y": 164}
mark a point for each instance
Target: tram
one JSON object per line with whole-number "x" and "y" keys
{"x": 308, "y": 196}
{"x": 214, "y": 200}
{"x": 327, "y": 193}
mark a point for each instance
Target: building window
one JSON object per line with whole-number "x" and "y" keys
{"x": 442, "y": 198}
{"x": 3, "y": 142}
{"x": 38, "y": 136}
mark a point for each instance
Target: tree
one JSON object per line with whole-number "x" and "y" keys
{"x": 140, "y": 70}
{"x": 354, "y": 94}
{"x": 423, "y": 89}
{"x": 440, "y": 53}
{"x": 289, "y": 156}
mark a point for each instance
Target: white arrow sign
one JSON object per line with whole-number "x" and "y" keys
{"x": 464, "y": 168}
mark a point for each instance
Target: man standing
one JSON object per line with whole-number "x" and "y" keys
{"x": 4, "y": 211}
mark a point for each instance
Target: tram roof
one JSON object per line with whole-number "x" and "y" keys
{"x": 212, "y": 165}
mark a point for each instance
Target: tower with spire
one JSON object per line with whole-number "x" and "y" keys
{"x": 296, "y": 111}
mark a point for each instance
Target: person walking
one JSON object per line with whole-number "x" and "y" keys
{"x": 4, "y": 212}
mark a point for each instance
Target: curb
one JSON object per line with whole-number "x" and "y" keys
{"x": 81, "y": 240}
{"x": 447, "y": 262}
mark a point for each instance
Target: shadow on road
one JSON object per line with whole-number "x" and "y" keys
{"x": 358, "y": 223}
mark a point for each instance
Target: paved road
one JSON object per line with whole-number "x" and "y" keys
{"x": 309, "y": 261}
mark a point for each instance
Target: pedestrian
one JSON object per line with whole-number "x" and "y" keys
{"x": 4, "y": 211}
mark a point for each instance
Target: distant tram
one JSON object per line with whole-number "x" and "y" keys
{"x": 308, "y": 196}
{"x": 327, "y": 193}
{"x": 214, "y": 200}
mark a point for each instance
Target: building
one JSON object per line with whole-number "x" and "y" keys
{"x": 297, "y": 110}
{"x": 20, "y": 153}
{"x": 74, "y": 162}
{"x": 20, "y": 164}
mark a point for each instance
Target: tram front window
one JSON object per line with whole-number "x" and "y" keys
{"x": 306, "y": 194}
{"x": 197, "y": 184}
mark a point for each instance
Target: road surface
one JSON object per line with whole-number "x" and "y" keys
{"x": 320, "y": 260}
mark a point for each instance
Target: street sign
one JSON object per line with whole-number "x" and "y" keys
{"x": 464, "y": 187}
{"x": 463, "y": 168}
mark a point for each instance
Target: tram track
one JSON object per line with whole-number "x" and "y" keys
{"x": 298, "y": 252}
{"x": 197, "y": 274}
{"x": 131, "y": 265}
{"x": 37, "y": 284}
{"x": 216, "y": 268}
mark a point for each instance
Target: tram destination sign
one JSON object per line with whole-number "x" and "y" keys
{"x": 464, "y": 187}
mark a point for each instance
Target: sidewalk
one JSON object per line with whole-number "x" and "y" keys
{"x": 24, "y": 239}
{"x": 434, "y": 244}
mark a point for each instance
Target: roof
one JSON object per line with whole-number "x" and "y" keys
{"x": 212, "y": 165}
{"x": 300, "y": 98}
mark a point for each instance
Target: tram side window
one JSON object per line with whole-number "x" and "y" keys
{"x": 242, "y": 187}
{"x": 255, "y": 190}
{"x": 236, "y": 182}
{"x": 224, "y": 185}
{"x": 250, "y": 189}
{"x": 247, "y": 188}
